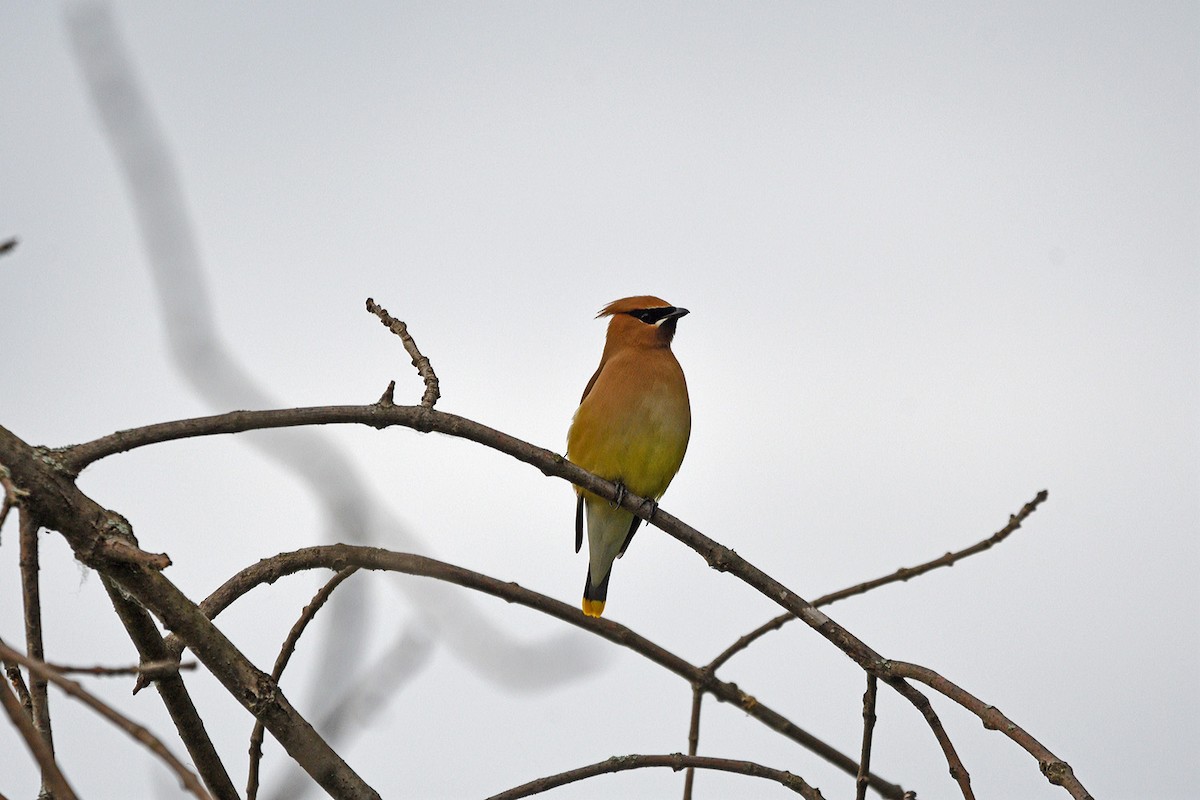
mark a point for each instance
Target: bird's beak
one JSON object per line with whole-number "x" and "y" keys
{"x": 677, "y": 313}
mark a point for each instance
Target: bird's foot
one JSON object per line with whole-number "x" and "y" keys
{"x": 620, "y": 495}
{"x": 653, "y": 508}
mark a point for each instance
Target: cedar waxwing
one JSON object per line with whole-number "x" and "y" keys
{"x": 631, "y": 428}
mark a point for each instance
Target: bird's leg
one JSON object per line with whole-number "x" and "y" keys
{"x": 653, "y": 507}
{"x": 620, "y": 495}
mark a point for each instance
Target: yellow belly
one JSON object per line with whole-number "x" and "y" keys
{"x": 633, "y": 429}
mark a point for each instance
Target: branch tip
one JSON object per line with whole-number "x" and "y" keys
{"x": 388, "y": 398}
{"x": 424, "y": 368}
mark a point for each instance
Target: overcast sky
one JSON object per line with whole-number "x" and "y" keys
{"x": 938, "y": 258}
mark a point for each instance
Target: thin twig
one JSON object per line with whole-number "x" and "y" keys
{"x": 947, "y": 560}
{"x": 281, "y": 661}
{"x": 913, "y": 695}
{"x": 145, "y": 737}
{"x": 864, "y": 761}
{"x": 32, "y": 601}
{"x": 425, "y": 419}
{"x": 675, "y": 761}
{"x": 689, "y": 777}
{"x": 424, "y": 368}
{"x": 902, "y": 574}
{"x": 150, "y": 670}
{"x": 1057, "y": 771}
{"x": 173, "y": 692}
{"x": 53, "y": 780}
{"x": 359, "y": 701}
{"x": 59, "y": 504}
{"x": 269, "y": 570}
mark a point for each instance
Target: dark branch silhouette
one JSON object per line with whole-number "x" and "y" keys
{"x": 427, "y": 419}
{"x": 136, "y": 731}
{"x": 552, "y": 464}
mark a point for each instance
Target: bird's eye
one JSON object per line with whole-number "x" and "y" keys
{"x": 651, "y": 316}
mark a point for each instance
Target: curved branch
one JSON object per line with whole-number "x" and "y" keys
{"x": 549, "y": 463}
{"x": 145, "y": 737}
{"x": 342, "y": 556}
{"x": 1055, "y": 769}
{"x": 59, "y": 504}
{"x": 902, "y": 574}
{"x": 52, "y": 777}
{"x": 675, "y": 761}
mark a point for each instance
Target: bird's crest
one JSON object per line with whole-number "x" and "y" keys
{"x": 627, "y": 304}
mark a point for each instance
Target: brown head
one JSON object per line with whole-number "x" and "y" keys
{"x": 644, "y": 321}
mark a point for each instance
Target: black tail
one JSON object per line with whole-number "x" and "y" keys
{"x": 594, "y": 596}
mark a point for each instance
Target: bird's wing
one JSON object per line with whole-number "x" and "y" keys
{"x": 587, "y": 390}
{"x": 633, "y": 526}
{"x": 579, "y": 523}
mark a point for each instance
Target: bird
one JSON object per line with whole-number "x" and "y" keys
{"x": 632, "y": 428}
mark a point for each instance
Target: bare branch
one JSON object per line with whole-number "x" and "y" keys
{"x": 689, "y": 776}
{"x": 60, "y": 505}
{"x": 675, "y": 761}
{"x": 922, "y": 704}
{"x": 173, "y": 692}
{"x": 1057, "y": 771}
{"x": 948, "y": 560}
{"x": 362, "y": 699}
{"x": 902, "y": 574}
{"x": 425, "y": 419}
{"x": 281, "y": 661}
{"x": 864, "y": 761}
{"x": 340, "y": 556}
{"x": 151, "y": 670}
{"x": 424, "y": 368}
{"x": 52, "y": 777}
{"x": 32, "y": 602}
{"x": 149, "y": 740}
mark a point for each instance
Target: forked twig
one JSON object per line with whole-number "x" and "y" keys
{"x": 52, "y": 777}
{"x": 269, "y": 570}
{"x": 39, "y": 668}
{"x": 176, "y": 610}
{"x": 902, "y": 574}
{"x": 424, "y": 368}
{"x": 1057, "y": 771}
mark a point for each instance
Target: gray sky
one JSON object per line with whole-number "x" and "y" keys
{"x": 938, "y": 258}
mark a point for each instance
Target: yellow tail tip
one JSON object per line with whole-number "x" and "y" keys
{"x": 593, "y": 608}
